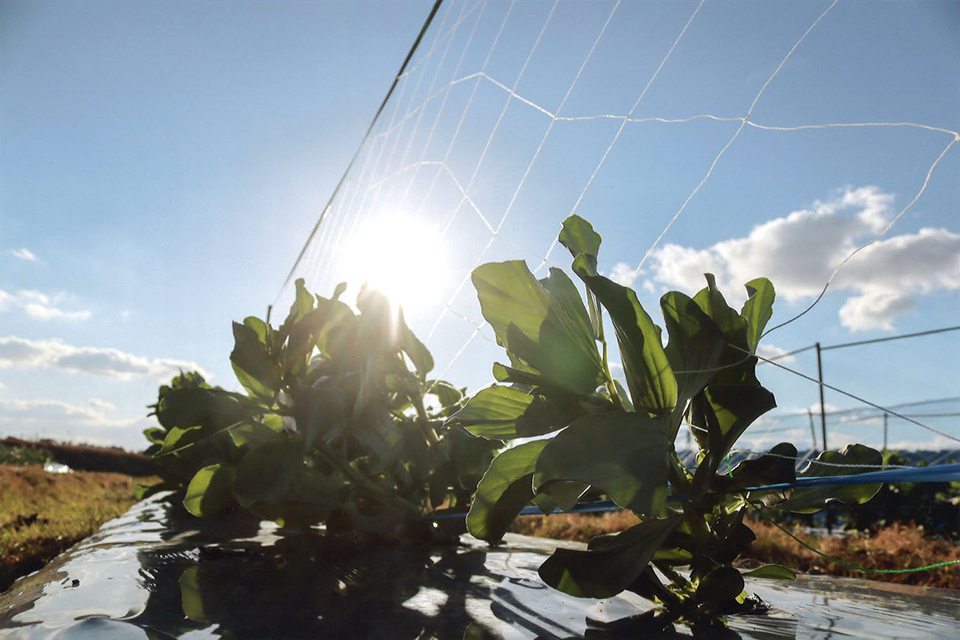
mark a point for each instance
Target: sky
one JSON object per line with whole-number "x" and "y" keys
{"x": 163, "y": 163}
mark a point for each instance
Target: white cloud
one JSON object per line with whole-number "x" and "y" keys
{"x": 623, "y": 273}
{"x": 95, "y": 422}
{"x": 40, "y": 306}
{"x": 938, "y": 443}
{"x": 773, "y": 352}
{"x": 52, "y": 411}
{"x": 41, "y": 312}
{"x": 94, "y": 361}
{"x": 815, "y": 409}
{"x": 800, "y": 251}
{"x": 24, "y": 254}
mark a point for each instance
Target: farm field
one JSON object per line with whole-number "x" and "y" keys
{"x": 898, "y": 546}
{"x": 42, "y": 514}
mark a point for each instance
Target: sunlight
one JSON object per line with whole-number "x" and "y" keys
{"x": 402, "y": 257}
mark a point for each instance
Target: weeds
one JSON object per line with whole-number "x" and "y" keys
{"x": 897, "y": 546}
{"x": 22, "y": 455}
{"x": 42, "y": 514}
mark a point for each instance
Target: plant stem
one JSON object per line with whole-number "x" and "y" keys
{"x": 424, "y": 422}
{"x": 677, "y": 474}
{"x": 356, "y": 478}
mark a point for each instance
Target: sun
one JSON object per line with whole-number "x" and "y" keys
{"x": 401, "y": 256}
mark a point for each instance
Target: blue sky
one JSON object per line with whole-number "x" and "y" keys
{"x": 162, "y": 163}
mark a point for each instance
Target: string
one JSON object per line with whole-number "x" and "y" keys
{"x": 848, "y": 565}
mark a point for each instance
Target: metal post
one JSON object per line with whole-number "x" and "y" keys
{"x": 823, "y": 412}
{"x": 813, "y": 431}
{"x": 885, "y": 415}
{"x": 823, "y": 432}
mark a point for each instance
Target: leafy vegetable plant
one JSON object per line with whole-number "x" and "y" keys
{"x": 578, "y": 432}
{"x": 339, "y": 425}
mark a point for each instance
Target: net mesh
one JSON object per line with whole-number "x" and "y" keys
{"x": 511, "y": 116}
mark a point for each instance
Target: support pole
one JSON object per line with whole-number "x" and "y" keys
{"x": 885, "y": 416}
{"x": 813, "y": 430}
{"x": 823, "y": 411}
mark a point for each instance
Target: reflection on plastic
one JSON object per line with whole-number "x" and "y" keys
{"x": 156, "y": 573}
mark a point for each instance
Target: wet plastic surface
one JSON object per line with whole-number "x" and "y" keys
{"x": 153, "y": 574}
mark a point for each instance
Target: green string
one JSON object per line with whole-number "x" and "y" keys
{"x": 847, "y": 564}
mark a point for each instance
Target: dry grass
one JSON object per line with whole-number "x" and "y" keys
{"x": 42, "y": 514}
{"x": 574, "y": 526}
{"x": 894, "y": 547}
{"x": 897, "y": 546}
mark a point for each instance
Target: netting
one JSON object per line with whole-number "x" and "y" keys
{"x": 669, "y": 126}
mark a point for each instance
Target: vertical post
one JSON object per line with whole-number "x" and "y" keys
{"x": 823, "y": 430}
{"x": 269, "y": 309}
{"x": 813, "y": 431}
{"x": 885, "y": 415}
{"x": 823, "y": 412}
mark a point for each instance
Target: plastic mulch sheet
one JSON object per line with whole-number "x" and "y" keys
{"x": 155, "y": 573}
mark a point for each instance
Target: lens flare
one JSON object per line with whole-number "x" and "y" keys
{"x": 402, "y": 257}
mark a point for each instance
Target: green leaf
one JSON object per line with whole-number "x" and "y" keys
{"x": 213, "y": 409}
{"x": 542, "y": 323}
{"x": 321, "y": 410}
{"x": 524, "y": 376}
{"x": 301, "y": 334}
{"x": 578, "y": 236}
{"x": 758, "y": 309}
{"x": 417, "y": 352}
{"x": 256, "y": 370}
{"x": 312, "y": 498}
{"x": 302, "y": 304}
{"x": 156, "y": 435}
{"x": 695, "y": 349}
{"x": 267, "y": 472}
{"x": 447, "y": 394}
{"x": 178, "y": 439}
{"x": 733, "y": 326}
{"x": 720, "y": 585}
{"x": 862, "y": 459}
{"x": 376, "y": 430}
{"x": 255, "y": 432}
{"x": 738, "y": 364}
{"x": 562, "y": 494}
{"x": 505, "y": 489}
{"x": 626, "y": 455}
{"x": 511, "y": 296}
{"x": 193, "y": 414}
{"x": 771, "y": 572}
{"x": 649, "y": 377}
{"x": 775, "y": 467}
{"x": 624, "y": 397}
{"x": 191, "y": 596}
{"x": 606, "y": 571}
{"x": 736, "y": 407}
{"x": 567, "y": 310}
{"x": 209, "y": 491}
{"x": 337, "y": 337}
{"x": 503, "y": 413}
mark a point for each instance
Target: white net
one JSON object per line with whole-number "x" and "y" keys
{"x": 673, "y": 128}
